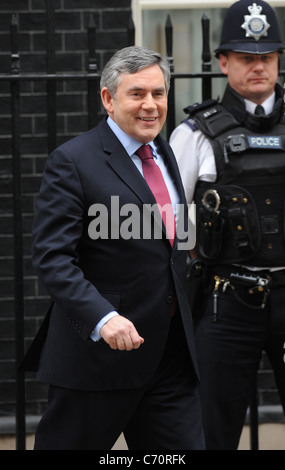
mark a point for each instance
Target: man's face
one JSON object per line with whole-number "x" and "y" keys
{"x": 252, "y": 76}
{"x": 140, "y": 105}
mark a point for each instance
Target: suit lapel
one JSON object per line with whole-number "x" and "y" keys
{"x": 122, "y": 164}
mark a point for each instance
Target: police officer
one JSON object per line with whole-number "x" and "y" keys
{"x": 232, "y": 159}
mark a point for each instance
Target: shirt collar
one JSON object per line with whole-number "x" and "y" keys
{"x": 268, "y": 104}
{"x": 130, "y": 145}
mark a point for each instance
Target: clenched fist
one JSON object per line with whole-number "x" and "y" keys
{"x": 120, "y": 333}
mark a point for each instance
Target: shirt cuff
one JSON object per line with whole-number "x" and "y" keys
{"x": 95, "y": 335}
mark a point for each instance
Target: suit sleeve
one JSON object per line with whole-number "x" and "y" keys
{"x": 57, "y": 230}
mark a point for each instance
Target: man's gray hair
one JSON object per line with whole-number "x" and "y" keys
{"x": 131, "y": 60}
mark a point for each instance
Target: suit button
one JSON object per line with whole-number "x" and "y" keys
{"x": 169, "y": 299}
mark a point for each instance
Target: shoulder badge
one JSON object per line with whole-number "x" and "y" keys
{"x": 191, "y": 123}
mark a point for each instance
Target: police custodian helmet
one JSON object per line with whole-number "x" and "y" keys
{"x": 250, "y": 27}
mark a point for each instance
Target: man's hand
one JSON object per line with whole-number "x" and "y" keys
{"x": 120, "y": 333}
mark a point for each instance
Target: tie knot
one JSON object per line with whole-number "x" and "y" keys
{"x": 144, "y": 152}
{"x": 259, "y": 110}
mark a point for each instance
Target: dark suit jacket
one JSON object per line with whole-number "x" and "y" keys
{"x": 87, "y": 278}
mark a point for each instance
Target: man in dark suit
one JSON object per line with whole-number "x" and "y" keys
{"x": 117, "y": 347}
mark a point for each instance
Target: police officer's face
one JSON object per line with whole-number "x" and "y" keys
{"x": 252, "y": 76}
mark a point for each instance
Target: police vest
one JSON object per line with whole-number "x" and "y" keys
{"x": 240, "y": 218}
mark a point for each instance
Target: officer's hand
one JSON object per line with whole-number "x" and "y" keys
{"x": 120, "y": 333}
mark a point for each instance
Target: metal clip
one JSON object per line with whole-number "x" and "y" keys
{"x": 237, "y": 143}
{"x": 215, "y": 297}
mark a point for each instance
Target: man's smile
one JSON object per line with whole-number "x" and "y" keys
{"x": 148, "y": 118}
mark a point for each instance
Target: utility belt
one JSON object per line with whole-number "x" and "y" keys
{"x": 246, "y": 285}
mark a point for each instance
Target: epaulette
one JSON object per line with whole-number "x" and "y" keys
{"x": 196, "y": 107}
{"x": 210, "y": 117}
{"x": 191, "y": 123}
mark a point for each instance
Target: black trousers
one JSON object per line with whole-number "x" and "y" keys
{"x": 165, "y": 414}
{"x": 229, "y": 347}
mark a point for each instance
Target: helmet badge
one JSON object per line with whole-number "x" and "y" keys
{"x": 255, "y": 24}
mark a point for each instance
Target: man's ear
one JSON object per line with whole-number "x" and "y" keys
{"x": 107, "y": 99}
{"x": 223, "y": 61}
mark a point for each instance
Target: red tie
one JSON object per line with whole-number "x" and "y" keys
{"x": 154, "y": 179}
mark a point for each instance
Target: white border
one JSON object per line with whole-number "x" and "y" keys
{"x": 139, "y": 5}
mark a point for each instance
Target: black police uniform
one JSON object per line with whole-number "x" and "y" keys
{"x": 241, "y": 238}
{"x": 240, "y": 222}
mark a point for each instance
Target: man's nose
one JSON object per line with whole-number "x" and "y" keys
{"x": 149, "y": 102}
{"x": 258, "y": 64}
